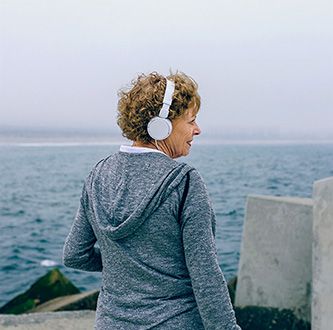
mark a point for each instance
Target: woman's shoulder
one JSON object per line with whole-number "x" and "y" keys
{"x": 193, "y": 181}
{"x": 193, "y": 173}
{"x": 98, "y": 166}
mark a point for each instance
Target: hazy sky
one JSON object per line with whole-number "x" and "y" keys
{"x": 261, "y": 65}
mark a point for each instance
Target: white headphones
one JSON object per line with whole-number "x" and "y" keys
{"x": 160, "y": 127}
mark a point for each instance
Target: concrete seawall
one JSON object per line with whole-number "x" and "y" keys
{"x": 275, "y": 264}
{"x": 80, "y": 320}
{"x": 286, "y": 255}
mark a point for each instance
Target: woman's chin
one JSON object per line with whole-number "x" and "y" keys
{"x": 186, "y": 152}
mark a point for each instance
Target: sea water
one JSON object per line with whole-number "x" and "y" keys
{"x": 40, "y": 188}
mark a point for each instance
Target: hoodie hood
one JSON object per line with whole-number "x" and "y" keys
{"x": 105, "y": 213}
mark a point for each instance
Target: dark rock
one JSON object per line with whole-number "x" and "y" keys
{"x": 264, "y": 318}
{"x": 232, "y": 284}
{"x": 53, "y": 284}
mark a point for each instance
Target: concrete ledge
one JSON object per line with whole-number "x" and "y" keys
{"x": 79, "y": 320}
{"x": 81, "y": 301}
{"x": 284, "y": 199}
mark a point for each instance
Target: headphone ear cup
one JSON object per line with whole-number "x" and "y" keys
{"x": 159, "y": 128}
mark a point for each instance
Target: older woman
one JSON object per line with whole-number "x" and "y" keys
{"x": 152, "y": 219}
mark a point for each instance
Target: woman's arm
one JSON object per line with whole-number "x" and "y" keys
{"x": 79, "y": 249}
{"x": 198, "y": 230}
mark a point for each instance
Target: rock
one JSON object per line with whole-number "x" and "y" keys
{"x": 75, "y": 302}
{"x": 265, "y": 318}
{"x": 53, "y": 284}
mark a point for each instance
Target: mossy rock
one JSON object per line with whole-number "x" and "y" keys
{"x": 53, "y": 284}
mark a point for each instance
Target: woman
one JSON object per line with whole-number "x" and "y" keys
{"x": 152, "y": 219}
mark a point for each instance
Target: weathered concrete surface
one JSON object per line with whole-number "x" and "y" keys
{"x": 82, "y": 301}
{"x": 80, "y": 320}
{"x": 322, "y": 282}
{"x": 275, "y": 265}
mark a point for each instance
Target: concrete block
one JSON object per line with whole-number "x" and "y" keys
{"x": 275, "y": 268}
{"x": 322, "y": 282}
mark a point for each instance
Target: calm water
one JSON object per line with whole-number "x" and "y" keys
{"x": 40, "y": 189}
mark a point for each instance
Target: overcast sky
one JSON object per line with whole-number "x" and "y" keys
{"x": 262, "y": 66}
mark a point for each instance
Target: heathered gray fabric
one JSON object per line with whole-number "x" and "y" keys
{"x": 156, "y": 249}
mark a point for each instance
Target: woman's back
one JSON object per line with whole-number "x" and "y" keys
{"x": 145, "y": 280}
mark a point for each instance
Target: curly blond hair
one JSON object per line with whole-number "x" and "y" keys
{"x": 141, "y": 102}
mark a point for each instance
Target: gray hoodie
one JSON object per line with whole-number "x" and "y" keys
{"x": 155, "y": 227}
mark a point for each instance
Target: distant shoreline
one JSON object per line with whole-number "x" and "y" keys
{"x": 198, "y": 142}
{"x": 75, "y": 138}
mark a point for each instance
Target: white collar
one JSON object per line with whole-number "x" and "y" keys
{"x": 138, "y": 150}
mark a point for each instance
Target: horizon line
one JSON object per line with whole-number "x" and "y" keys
{"x": 202, "y": 142}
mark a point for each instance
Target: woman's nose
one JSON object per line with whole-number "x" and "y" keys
{"x": 197, "y": 130}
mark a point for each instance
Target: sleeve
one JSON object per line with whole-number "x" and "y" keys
{"x": 198, "y": 232}
{"x": 79, "y": 251}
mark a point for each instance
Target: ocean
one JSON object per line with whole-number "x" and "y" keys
{"x": 40, "y": 186}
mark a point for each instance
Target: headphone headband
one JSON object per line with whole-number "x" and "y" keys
{"x": 160, "y": 127}
{"x": 167, "y": 100}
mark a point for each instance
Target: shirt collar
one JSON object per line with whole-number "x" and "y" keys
{"x": 138, "y": 150}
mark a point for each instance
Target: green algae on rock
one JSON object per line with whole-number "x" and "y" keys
{"x": 52, "y": 285}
